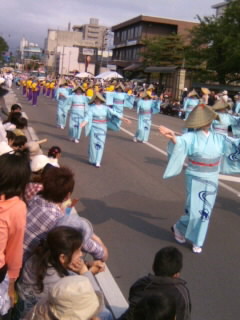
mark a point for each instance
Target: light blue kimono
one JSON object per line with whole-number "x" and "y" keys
{"x": 97, "y": 118}
{"x": 189, "y": 105}
{"x": 61, "y": 96}
{"x": 145, "y": 109}
{"x": 204, "y": 157}
{"x": 226, "y": 120}
{"x": 78, "y": 109}
{"x": 118, "y": 101}
{"x": 237, "y": 108}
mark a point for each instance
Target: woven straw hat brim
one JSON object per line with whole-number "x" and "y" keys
{"x": 95, "y": 96}
{"x": 201, "y": 116}
{"x": 220, "y": 105}
{"x": 193, "y": 93}
{"x": 79, "y": 88}
{"x": 205, "y": 91}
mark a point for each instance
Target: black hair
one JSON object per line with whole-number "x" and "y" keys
{"x": 19, "y": 141}
{"x": 54, "y": 151}
{"x": 155, "y": 307}
{"x": 14, "y": 174}
{"x": 60, "y": 240}
{"x": 167, "y": 262}
{"x": 21, "y": 123}
{"x": 15, "y": 107}
{"x": 10, "y": 135}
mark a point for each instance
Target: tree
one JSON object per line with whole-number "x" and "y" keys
{"x": 3, "y": 46}
{"x": 215, "y": 46}
{"x": 164, "y": 51}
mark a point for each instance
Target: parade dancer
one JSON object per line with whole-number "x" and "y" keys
{"x": 78, "y": 104}
{"x": 97, "y": 116}
{"x": 190, "y": 103}
{"x": 118, "y": 100}
{"x": 34, "y": 93}
{"x": 62, "y": 94}
{"x": 204, "y": 150}
{"x": 146, "y": 106}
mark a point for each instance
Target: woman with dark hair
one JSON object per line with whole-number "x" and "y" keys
{"x": 54, "y": 153}
{"x": 58, "y": 256}
{"x": 14, "y": 175}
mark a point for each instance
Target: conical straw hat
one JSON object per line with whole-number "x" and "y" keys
{"x": 146, "y": 94}
{"x": 95, "y": 96}
{"x": 193, "y": 93}
{"x": 121, "y": 86}
{"x": 205, "y": 91}
{"x": 201, "y": 116}
{"x": 220, "y": 105}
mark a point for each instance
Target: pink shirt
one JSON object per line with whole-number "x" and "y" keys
{"x": 12, "y": 227}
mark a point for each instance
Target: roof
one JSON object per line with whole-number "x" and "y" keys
{"x": 220, "y": 4}
{"x": 153, "y": 20}
{"x": 169, "y": 69}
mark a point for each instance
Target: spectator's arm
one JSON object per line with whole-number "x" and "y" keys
{"x": 96, "y": 248}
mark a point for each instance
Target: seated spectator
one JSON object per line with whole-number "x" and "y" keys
{"x": 166, "y": 280}
{"x": 70, "y": 298}
{"x": 34, "y": 149}
{"x": 10, "y": 137}
{"x": 54, "y": 153}
{"x": 45, "y": 208}
{"x": 155, "y": 307}
{"x": 19, "y": 143}
{"x": 11, "y": 125}
{"x": 21, "y": 124}
{"x": 56, "y": 257}
{"x": 14, "y": 175}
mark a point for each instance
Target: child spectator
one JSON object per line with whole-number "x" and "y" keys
{"x": 14, "y": 175}
{"x": 54, "y": 153}
{"x": 10, "y": 124}
{"x": 19, "y": 142}
{"x": 166, "y": 280}
{"x": 21, "y": 124}
{"x": 10, "y": 137}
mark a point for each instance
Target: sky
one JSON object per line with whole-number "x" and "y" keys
{"x": 32, "y": 18}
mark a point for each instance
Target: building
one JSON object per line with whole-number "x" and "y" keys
{"x": 67, "y": 51}
{"x": 221, "y": 7}
{"x": 28, "y": 52}
{"x": 129, "y": 36}
{"x": 101, "y": 35}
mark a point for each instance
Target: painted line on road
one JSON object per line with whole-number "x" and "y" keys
{"x": 221, "y": 177}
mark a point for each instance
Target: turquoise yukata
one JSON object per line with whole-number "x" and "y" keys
{"x": 188, "y": 105}
{"x": 145, "y": 109}
{"x": 97, "y": 118}
{"x": 118, "y": 101}
{"x": 78, "y": 108}
{"x": 61, "y": 96}
{"x": 226, "y": 120}
{"x": 237, "y": 107}
{"x": 204, "y": 153}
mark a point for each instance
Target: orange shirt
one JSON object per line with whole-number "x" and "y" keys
{"x": 12, "y": 228}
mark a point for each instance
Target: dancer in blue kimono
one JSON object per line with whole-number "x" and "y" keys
{"x": 225, "y": 119}
{"x": 62, "y": 94}
{"x": 97, "y": 117}
{"x": 145, "y": 108}
{"x": 190, "y": 103}
{"x": 78, "y": 103}
{"x": 204, "y": 150}
{"x": 237, "y": 104}
{"x": 118, "y": 100}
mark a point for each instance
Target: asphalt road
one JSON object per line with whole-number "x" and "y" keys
{"x": 132, "y": 209}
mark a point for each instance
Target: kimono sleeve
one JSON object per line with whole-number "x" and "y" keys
{"x": 231, "y": 160}
{"x": 176, "y": 154}
{"x": 129, "y": 101}
{"x": 109, "y": 98}
{"x": 88, "y": 119}
{"x": 111, "y": 112}
{"x": 156, "y": 106}
{"x": 139, "y": 105}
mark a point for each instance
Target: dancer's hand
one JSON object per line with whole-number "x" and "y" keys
{"x": 168, "y": 133}
{"x": 127, "y": 121}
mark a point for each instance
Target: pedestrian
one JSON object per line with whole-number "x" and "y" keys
{"x": 204, "y": 150}
{"x": 78, "y": 104}
{"x": 145, "y": 108}
{"x": 97, "y": 117}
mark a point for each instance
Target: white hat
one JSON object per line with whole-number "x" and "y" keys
{"x": 39, "y": 162}
{"x": 73, "y": 297}
{"x": 4, "y": 147}
{"x": 2, "y": 80}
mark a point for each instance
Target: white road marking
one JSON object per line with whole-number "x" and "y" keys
{"x": 221, "y": 177}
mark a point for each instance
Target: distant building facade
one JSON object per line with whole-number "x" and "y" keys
{"x": 129, "y": 36}
{"x": 221, "y": 7}
{"x": 27, "y": 52}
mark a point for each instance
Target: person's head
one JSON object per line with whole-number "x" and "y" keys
{"x": 14, "y": 174}
{"x": 10, "y": 137}
{"x": 16, "y": 108}
{"x": 13, "y": 117}
{"x": 54, "y": 152}
{"x": 19, "y": 143}
{"x": 60, "y": 249}
{"x": 155, "y": 307}
{"x": 58, "y": 184}
{"x": 21, "y": 123}
{"x": 168, "y": 262}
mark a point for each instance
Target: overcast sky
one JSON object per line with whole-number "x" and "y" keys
{"x": 32, "y": 18}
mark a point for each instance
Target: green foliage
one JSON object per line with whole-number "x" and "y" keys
{"x": 215, "y": 46}
{"x": 164, "y": 51}
{"x": 3, "y": 47}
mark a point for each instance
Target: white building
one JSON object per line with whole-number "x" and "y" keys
{"x": 221, "y": 7}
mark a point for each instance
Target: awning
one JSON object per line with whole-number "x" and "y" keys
{"x": 161, "y": 69}
{"x": 133, "y": 67}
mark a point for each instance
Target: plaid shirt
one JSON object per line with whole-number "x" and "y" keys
{"x": 41, "y": 218}
{"x": 31, "y": 190}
